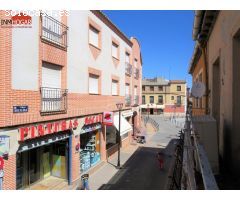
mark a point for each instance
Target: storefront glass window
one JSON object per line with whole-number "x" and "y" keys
{"x": 89, "y": 149}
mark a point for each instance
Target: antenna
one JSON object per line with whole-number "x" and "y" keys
{"x": 169, "y": 73}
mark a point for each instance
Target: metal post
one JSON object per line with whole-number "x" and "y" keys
{"x": 119, "y": 139}
{"x": 1, "y": 183}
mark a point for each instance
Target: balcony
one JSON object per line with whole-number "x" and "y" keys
{"x": 136, "y": 73}
{"x": 53, "y": 100}
{"x": 128, "y": 69}
{"x": 136, "y": 100}
{"x": 53, "y": 31}
{"x": 128, "y": 100}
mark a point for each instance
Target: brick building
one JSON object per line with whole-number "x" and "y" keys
{"x": 163, "y": 96}
{"x": 58, "y": 77}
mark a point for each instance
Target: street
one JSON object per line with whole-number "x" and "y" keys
{"x": 140, "y": 169}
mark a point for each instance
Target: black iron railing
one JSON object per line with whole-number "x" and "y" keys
{"x": 136, "y": 73}
{"x": 53, "y": 100}
{"x": 128, "y": 69}
{"x": 53, "y": 31}
{"x": 127, "y": 100}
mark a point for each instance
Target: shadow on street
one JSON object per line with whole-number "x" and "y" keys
{"x": 142, "y": 172}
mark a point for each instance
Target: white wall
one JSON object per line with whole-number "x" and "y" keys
{"x": 25, "y": 56}
{"x": 80, "y": 57}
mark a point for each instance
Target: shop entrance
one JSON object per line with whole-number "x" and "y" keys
{"x": 151, "y": 111}
{"x": 89, "y": 150}
{"x": 42, "y": 162}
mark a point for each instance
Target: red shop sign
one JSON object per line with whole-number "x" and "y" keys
{"x": 108, "y": 118}
{"x": 1, "y": 163}
{"x": 45, "y": 129}
{"x": 93, "y": 119}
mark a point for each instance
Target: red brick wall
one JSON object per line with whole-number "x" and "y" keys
{"x": 170, "y": 109}
{"x": 9, "y": 180}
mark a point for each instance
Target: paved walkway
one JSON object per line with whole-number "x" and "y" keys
{"x": 139, "y": 164}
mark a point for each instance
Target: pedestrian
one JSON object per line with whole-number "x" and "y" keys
{"x": 85, "y": 183}
{"x": 160, "y": 159}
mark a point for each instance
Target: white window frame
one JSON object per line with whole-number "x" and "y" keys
{"x": 127, "y": 57}
{"x": 114, "y": 87}
{"x": 93, "y": 36}
{"x": 93, "y": 85}
{"x": 127, "y": 89}
{"x": 115, "y": 50}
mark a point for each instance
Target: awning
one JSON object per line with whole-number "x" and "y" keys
{"x": 125, "y": 126}
{"x": 153, "y": 106}
{"x": 41, "y": 141}
{"x": 127, "y": 113}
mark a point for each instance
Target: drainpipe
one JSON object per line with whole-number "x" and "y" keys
{"x": 197, "y": 23}
{"x": 204, "y": 49}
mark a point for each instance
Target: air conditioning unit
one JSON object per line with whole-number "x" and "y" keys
{"x": 206, "y": 128}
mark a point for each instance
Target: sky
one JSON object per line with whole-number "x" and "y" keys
{"x": 165, "y": 38}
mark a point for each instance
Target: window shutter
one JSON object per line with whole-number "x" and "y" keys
{"x": 135, "y": 91}
{"x": 127, "y": 90}
{"x": 114, "y": 87}
{"x": 93, "y": 36}
{"x": 135, "y": 63}
{"x": 127, "y": 58}
{"x": 114, "y": 50}
{"x": 93, "y": 85}
{"x": 51, "y": 75}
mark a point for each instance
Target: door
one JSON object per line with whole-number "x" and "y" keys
{"x": 46, "y": 162}
{"x": 34, "y": 172}
{"x": 151, "y": 111}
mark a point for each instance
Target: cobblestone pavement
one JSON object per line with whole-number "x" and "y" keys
{"x": 140, "y": 168}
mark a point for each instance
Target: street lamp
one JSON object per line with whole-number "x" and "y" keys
{"x": 119, "y": 107}
{"x": 148, "y": 110}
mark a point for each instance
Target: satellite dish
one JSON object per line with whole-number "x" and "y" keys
{"x": 198, "y": 89}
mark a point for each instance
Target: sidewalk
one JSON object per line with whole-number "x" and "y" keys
{"x": 140, "y": 169}
{"x": 108, "y": 170}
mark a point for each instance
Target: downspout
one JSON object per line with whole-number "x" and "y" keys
{"x": 204, "y": 49}
{"x": 197, "y": 23}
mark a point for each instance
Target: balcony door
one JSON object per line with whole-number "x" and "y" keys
{"x": 51, "y": 87}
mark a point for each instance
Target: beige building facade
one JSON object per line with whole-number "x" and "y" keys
{"x": 163, "y": 96}
{"x": 218, "y": 36}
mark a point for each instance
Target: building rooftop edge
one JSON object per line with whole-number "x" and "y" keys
{"x": 112, "y": 26}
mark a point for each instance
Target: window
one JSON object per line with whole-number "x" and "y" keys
{"x": 53, "y": 97}
{"x": 127, "y": 58}
{"x": 160, "y": 88}
{"x": 172, "y": 97}
{"x": 151, "y": 99}
{"x": 143, "y": 99}
{"x": 160, "y": 99}
{"x": 114, "y": 50}
{"x": 135, "y": 90}
{"x": 135, "y": 62}
{"x": 51, "y": 75}
{"x": 200, "y": 77}
{"x": 93, "y": 84}
{"x": 127, "y": 89}
{"x": 178, "y": 100}
{"x": 143, "y": 88}
{"x": 114, "y": 87}
{"x": 94, "y": 36}
{"x": 151, "y": 88}
{"x": 178, "y": 88}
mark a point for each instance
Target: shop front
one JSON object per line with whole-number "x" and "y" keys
{"x": 113, "y": 131}
{"x": 90, "y": 142}
{"x": 43, "y": 153}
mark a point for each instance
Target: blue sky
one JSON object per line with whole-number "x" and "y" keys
{"x": 165, "y": 38}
